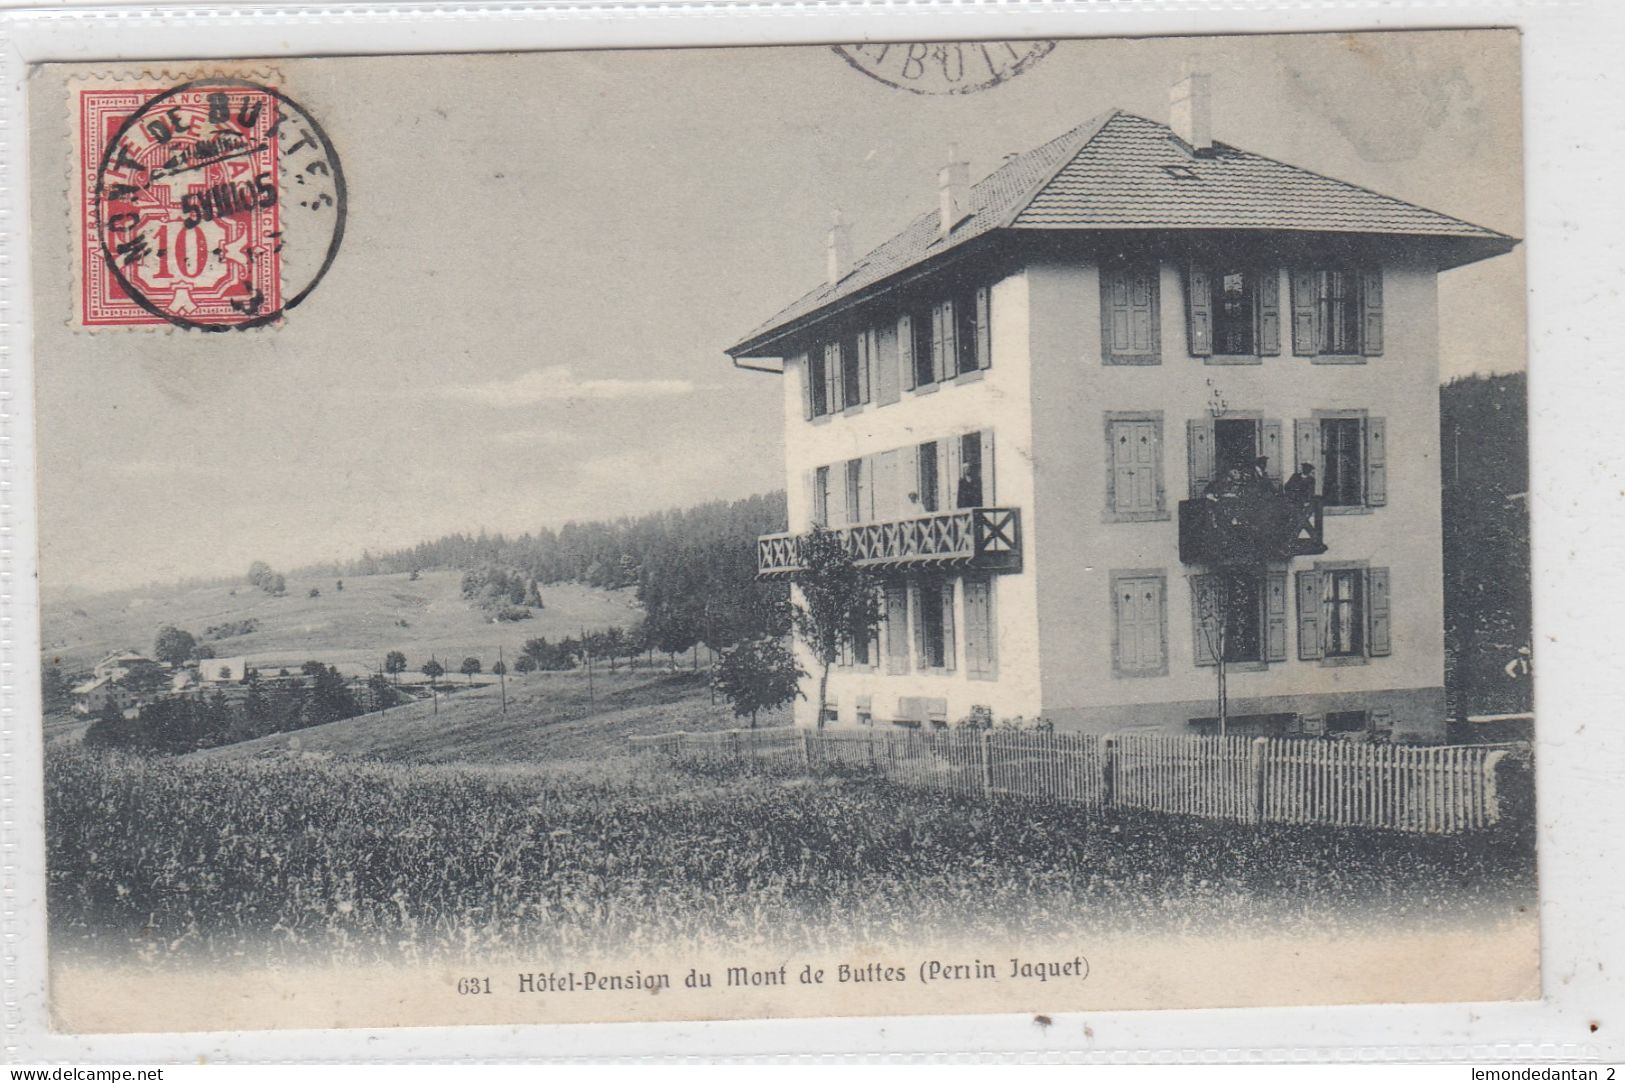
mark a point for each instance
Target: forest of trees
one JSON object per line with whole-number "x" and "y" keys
{"x": 694, "y": 570}
{"x": 1484, "y": 433}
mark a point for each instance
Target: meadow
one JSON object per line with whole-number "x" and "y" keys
{"x": 293, "y": 857}
{"x": 357, "y": 625}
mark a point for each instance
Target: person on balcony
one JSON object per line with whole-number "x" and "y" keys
{"x": 970, "y": 488}
{"x": 1300, "y": 487}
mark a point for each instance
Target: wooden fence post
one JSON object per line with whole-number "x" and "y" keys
{"x": 806, "y": 750}
{"x": 986, "y": 741}
{"x": 1256, "y": 762}
{"x": 1108, "y": 772}
{"x": 1492, "y": 794}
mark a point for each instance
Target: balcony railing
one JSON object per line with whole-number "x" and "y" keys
{"x": 1249, "y": 528}
{"x": 979, "y": 539}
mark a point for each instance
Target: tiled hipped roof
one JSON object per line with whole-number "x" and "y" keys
{"x": 1121, "y": 171}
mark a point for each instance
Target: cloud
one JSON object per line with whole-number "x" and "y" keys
{"x": 557, "y": 383}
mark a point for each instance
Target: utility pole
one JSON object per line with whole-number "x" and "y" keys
{"x": 502, "y": 679}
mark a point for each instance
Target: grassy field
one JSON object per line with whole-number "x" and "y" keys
{"x": 292, "y": 859}
{"x": 549, "y": 719}
{"x": 370, "y": 616}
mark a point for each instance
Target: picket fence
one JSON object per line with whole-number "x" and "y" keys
{"x": 1439, "y": 790}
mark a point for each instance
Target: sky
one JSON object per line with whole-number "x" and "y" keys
{"x": 547, "y": 253}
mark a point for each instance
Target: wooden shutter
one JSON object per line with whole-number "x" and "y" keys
{"x": 866, "y": 489}
{"x": 941, "y": 323}
{"x": 1305, "y": 315}
{"x": 1275, "y": 616}
{"x": 1269, "y": 445}
{"x": 1139, "y": 625}
{"x": 1204, "y": 627}
{"x": 1371, "y": 313}
{"x": 1309, "y": 615}
{"x": 888, "y": 487}
{"x": 836, "y": 500}
{"x": 1199, "y": 451}
{"x": 946, "y": 364}
{"x": 989, "y": 495}
{"x": 833, "y": 381}
{"x": 1269, "y": 311}
{"x": 886, "y": 378}
{"x": 1199, "y": 310}
{"x": 804, "y": 363}
{"x": 1136, "y": 467}
{"x": 915, "y": 600}
{"x": 984, "y": 327}
{"x": 1376, "y": 461}
{"x": 905, "y": 350}
{"x": 948, "y": 454}
{"x": 866, "y": 363}
{"x": 908, "y": 482}
{"x": 1114, "y": 321}
{"x": 948, "y": 650}
{"x": 896, "y": 628}
{"x": 1378, "y": 637}
{"x": 981, "y": 637}
{"x": 809, "y": 492}
{"x": 1306, "y": 439}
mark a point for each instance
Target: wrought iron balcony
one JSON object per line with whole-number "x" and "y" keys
{"x": 976, "y": 539}
{"x": 1249, "y": 528}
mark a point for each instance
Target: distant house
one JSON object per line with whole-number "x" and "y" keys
{"x": 118, "y": 664}
{"x": 222, "y": 671}
{"x": 93, "y": 696}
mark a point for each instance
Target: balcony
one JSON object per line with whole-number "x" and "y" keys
{"x": 1249, "y": 528}
{"x": 970, "y": 539}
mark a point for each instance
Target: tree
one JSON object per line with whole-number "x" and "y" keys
{"x": 339, "y": 586}
{"x": 173, "y": 646}
{"x": 313, "y": 593}
{"x": 395, "y": 665}
{"x": 1213, "y": 600}
{"x": 524, "y": 664}
{"x": 838, "y": 603}
{"x": 55, "y": 690}
{"x": 434, "y": 671}
{"x": 758, "y": 674}
{"x": 470, "y": 666}
{"x": 383, "y": 694}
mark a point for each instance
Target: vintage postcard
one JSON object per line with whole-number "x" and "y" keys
{"x": 736, "y": 533}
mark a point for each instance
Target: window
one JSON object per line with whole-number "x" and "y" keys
{"x": 817, "y": 389}
{"x": 1234, "y": 311}
{"x": 1134, "y": 489}
{"x": 858, "y": 491}
{"x": 1139, "y": 613}
{"x": 981, "y": 633}
{"x": 1129, "y": 314}
{"x": 924, "y": 363}
{"x": 1216, "y": 446}
{"x": 1248, "y": 608}
{"x": 820, "y": 496}
{"x": 1235, "y": 444}
{"x": 1349, "y": 451}
{"x": 1342, "y": 461}
{"x": 855, "y": 364}
{"x": 1336, "y": 312}
{"x": 1346, "y": 721}
{"x": 934, "y": 624}
{"x": 1343, "y": 613}
{"x": 926, "y": 482}
{"x": 1342, "y": 600}
{"x": 896, "y": 622}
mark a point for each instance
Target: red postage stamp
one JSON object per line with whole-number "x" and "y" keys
{"x": 179, "y": 207}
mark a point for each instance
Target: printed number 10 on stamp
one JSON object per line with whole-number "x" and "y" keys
{"x": 183, "y": 217}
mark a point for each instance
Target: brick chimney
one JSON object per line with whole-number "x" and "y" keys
{"x": 1190, "y": 111}
{"x": 953, "y": 190}
{"x": 838, "y": 249}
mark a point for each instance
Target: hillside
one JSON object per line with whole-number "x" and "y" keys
{"x": 370, "y": 616}
{"x": 549, "y": 718}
